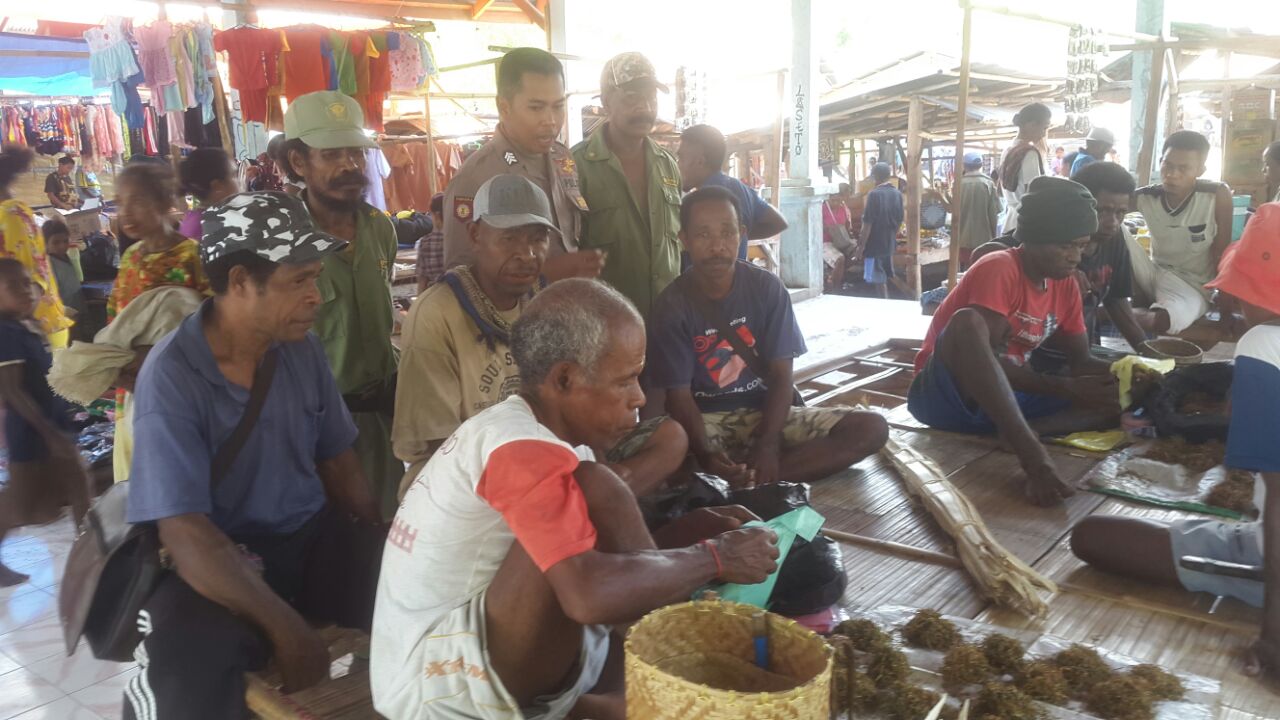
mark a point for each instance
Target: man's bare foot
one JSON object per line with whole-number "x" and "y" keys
{"x": 1263, "y": 661}
{"x": 9, "y": 578}
{"x": 1044, "y": 486}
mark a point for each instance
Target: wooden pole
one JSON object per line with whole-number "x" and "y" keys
{"x": 915, "y": 114}
{"x": 962, "y": 116}
{"x": 1147, "y": 153}
{"x": 431, "y": 156}
{"x": 773, "y": 161}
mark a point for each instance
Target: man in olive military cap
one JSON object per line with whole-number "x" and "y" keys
{"x": 326, "y": 149}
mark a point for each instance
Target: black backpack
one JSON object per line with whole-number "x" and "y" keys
{"x": 100, "y": 259}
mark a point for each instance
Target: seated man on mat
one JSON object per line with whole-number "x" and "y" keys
{"x": 511, "y": 553}
{"x": 455, "y": 354}
{"x": 1190, "y": 224}
{"x": 1153, "y": 551}
{"x": 972, "y": 374}
{"x": 722, "y": 342}
{"x": 267, "y": 535}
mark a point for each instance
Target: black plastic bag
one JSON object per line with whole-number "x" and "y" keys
{"x": 1162, "y": 404}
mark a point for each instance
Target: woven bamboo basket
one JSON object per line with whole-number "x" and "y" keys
{"x": 696, "y": 661}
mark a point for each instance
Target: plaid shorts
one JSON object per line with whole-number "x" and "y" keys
{"x": 731, "y": 431}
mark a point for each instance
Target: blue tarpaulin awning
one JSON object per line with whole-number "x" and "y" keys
{"x": 63, "y": 71}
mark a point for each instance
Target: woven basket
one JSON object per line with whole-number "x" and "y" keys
{"x": 695, "y": 661}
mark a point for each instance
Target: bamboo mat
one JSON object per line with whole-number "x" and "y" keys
{"x": 1167, "y": 626}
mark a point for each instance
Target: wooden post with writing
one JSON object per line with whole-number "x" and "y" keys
{"x": 915, "y": 116}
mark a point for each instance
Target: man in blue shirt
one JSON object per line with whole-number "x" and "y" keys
{"x": 290, "y": 533}
{"x": 701, "y": 156}
{"x": 881, "y": 219}
{"x": 735, "y": 408}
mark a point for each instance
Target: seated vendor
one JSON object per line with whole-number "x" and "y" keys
{"x": 1190, "y": 224}
{"x": 511, "y": 554}
{"x": 737, "y": 408}
{"x": 1153, "y": 551}
{"x": 972, "y": 373}
{"x": 455, "y": 357}
{"x": 274, "y": 540}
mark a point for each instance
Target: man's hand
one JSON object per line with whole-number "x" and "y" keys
{"x": 700, "y": 524}
{"x": 1097, "y": 391}
{"x": 747, "y": 556}
{"x": 718, "y": 463}
{"x": 1045, "y": 487}
{"x": 302, "y": 656}
{"x": 763, "y": 461}
{"x": 584, "y": 263}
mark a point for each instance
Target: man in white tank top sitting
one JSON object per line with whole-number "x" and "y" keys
{"x": 1190, "y": 224}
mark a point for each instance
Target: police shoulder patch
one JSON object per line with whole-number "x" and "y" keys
{"x": 462, "y": 208}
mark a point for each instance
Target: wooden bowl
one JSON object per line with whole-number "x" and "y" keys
{"x": 1182, "y": 352}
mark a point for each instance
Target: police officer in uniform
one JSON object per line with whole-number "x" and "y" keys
{"x": 531, "y": 112}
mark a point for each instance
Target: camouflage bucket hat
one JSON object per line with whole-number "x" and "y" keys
{"x": 273, "y": 225}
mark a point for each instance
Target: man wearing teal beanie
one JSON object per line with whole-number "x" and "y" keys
{"x": 973, "y": 374}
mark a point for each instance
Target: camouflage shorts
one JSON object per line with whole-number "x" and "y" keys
{"x": 731, "y": 431}
{"x": 634, "y": 440}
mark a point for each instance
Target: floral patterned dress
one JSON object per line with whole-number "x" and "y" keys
{"x": 21, "y": 239}
{"x": 139, "y": 272}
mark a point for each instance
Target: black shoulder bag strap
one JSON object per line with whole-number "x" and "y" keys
{"x": 711, "y": 311}
{"x": 227, "y": 453}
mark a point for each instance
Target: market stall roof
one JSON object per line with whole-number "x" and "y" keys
{"x": 1256, "y": 61}
{"x": 508, "y": 11}
{"x": 876, "y": 103}
{"x": 45, "y": 66}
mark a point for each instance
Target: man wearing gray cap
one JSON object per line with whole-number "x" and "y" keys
{"x": 1097, "y": 144}
{"x": 455, "y": 349}
{"x": 274, "y": 534}
{"x": 631, "y": 184}
{"x": 326, "y": 149}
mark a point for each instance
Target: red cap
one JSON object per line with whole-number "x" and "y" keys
{"x": 1250, "y": 268}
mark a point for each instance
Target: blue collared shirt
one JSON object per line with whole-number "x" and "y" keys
{"x": 750, "y": 204}
{"x": 185, "y": 409}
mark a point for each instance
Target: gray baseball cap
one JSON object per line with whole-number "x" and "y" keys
{"x": 508, "y": 201}
{"x": 628, "y": 67}
{"x": 273, "y": 225}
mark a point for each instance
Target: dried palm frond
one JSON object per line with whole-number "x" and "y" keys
{"x": 1001, "y": 576}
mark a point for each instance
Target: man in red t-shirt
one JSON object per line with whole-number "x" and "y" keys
{"x": 973, "y": 374}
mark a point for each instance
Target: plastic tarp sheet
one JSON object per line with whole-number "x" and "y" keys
{"x": 45, "y": 75}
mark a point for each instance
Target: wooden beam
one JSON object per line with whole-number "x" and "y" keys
{"x": 390, "y": 9}
{"x": 1002, "y": 10}
{"x": 962, "y": 122}
{"x": 1146, "y": 154}
{"x": 914, "y": 117}
{"x": 478, "y": 8}
{"x": 1171, "y": 109}
{"x": 44, "y": 53}
{"x": 535, "y": 15}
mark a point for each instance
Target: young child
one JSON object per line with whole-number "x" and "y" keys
{"x": 57, "y": 242}
{"x": 1250, "y": 273}
{"x": 44, "y": 466}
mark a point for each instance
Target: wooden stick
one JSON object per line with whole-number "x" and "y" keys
{"x": 1146, "y": 154}
{"x": 957, "y": 168}
{"x": 1130, "y": 601}
{"x": 894, "y": 548}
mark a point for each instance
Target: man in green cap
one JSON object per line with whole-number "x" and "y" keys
{"x": 973, "y": 374}
{"x": 325, "y": 148}
{"x": 631, "y": 185}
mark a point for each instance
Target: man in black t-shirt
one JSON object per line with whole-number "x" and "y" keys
{"x": 1106, "y": 274}
{"x": 59, "y": 186}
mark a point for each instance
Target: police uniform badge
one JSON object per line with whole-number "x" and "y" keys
{"x": 462, "y": 208}
{"x": 509, "y": 158}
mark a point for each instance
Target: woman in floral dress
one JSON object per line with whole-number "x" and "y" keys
{"x": 145, "y": 195}
{"x": 21, "y": 239}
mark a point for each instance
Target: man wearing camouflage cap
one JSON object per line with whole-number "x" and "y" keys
{"x": 531, "y": 111}
{"x": 631, "y": 184}
{"x": 287, "y": 534}
{"x": 325, "y": 148}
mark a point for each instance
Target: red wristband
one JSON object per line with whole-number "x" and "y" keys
{"x": 715, "y": 555}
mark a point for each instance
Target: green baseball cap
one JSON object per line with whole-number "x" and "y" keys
{"x": 325, "y": 120}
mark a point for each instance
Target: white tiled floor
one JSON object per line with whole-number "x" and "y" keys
{"x": 38, "y": 681}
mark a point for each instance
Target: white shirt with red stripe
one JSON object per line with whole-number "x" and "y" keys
{"x": 500, "y": 477}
